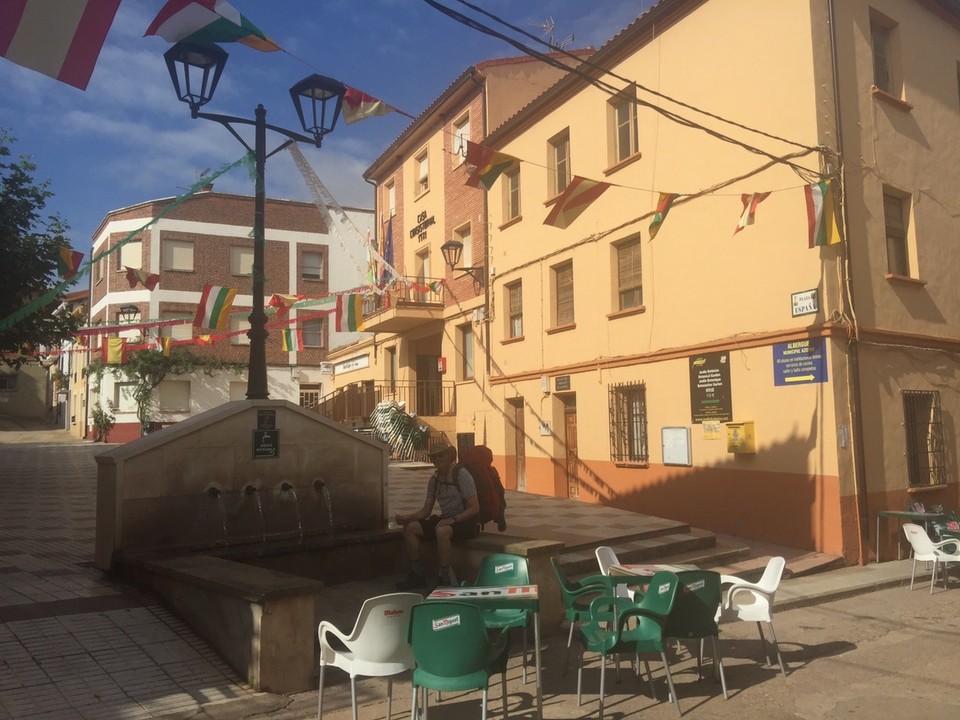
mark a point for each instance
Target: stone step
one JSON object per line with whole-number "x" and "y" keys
{"x": 649, "y": 548}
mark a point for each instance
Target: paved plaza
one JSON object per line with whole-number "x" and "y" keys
{"x": 75, "y": 643}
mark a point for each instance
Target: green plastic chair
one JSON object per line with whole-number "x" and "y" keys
{"x": 453, "y": 652}
{"x": 694, "y": 615}
{"x": 577, "y": 596}
{"x": 498, "y": 570}
{"x": 618, "y": 624}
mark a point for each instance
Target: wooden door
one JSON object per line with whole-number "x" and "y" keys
{"x": 572, "y": 459}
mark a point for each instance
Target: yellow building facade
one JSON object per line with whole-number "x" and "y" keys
{"x": 732, "y": 377}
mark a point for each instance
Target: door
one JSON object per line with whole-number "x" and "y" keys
{"x": 570, "y": 441}
{"x": 516, "y": 430}
{"x": 428, "y": 386}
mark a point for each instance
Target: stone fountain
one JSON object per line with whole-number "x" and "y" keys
{"x": 220, "y": 514}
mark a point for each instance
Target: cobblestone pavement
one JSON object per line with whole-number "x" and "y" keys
{"x": 75, "y": 643}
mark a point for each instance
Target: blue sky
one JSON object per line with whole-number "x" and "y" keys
{"x": 127, "y": 139}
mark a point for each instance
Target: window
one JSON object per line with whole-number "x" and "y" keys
{"x": 183, "y": 331}
{"x": 175, "y": 396}
{"x": 311, "y": 265}
{"x": 423, "y": 274}
{"x": 622, "y": 119}
{"x": 239, "y": 326}
{"x": 8, "y": 383}
{"x": 628, "y": 423}
{"x": 563, "y": 294}
{"x": 241, "y": 260}
{"x": 123, "y": 400}
{"x": 883, "y": 41}
{"x": 895, "y": 213}
{"x": 392, "y": 198}
{"x": 177, "y": 255}
{"x": 629, "y": 280}
{"x": 313, "y": 333}
{"x": 461, "y": 135}
{"x": 924, "y": 437}
{"x": 466, "y": 352}
{"x": 511, "y": 193}
{"x": 558, "y": 161}
{"x": 515, "y": 310}
{"x": 423, "y": 173}
{"x": 131, "y": 255}
{"x": 462, "y": 234}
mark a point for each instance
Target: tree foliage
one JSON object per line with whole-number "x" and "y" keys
{"x": 148, "y": 368}
{"x": 29, "y": 249}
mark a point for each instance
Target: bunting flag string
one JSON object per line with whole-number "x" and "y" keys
{"x": 56, "y": 291}
{"x": 68, "y": 263}
{"x": 821, "y": 217}
{"x": 136, "y": 276}
{"x": 663, "y": 207}
{"x": 208, "y": 21}
{"x": 214, "y": 308}
{"x": 291, "y": 339}
{"x": 574, "y": 200}
{"x": 350, "y": 313}
{"x": 488, "y": 164}
{"x": 750, "y": 202}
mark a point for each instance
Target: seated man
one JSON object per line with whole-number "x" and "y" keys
{"x": 457, "y": 520}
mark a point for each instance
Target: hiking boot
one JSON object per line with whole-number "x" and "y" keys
{"x": 412, "y": 582}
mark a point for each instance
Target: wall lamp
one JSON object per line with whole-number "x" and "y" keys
{"x": 127, "y": 313}
{"x": 452, "y": 252}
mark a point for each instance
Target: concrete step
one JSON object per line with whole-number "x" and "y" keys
{"x": 695, "y": 542}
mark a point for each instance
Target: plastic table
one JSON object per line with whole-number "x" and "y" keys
{"x": 511, "y": 597}
{"x": 902, "y": 515}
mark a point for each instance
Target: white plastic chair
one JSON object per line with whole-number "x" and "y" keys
{"x": 606, "y": 557}
{"x": 927, "y": 550}
{"x": 376, "y": 647}
{"x": 753, "y": 602}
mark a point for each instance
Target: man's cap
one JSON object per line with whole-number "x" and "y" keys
{"x": 440, "y": 448}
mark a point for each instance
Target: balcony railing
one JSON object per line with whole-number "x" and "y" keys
{"x": 354, "y": 404}
{"x": 419, "y": 292}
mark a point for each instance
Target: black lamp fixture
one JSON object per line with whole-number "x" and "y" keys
{"x": 127, "y": 313}
{"x": 452, "y": 252}
{"x": 195, "y": 70}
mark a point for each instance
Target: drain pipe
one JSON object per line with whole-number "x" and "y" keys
{"x": 853, "y": 354}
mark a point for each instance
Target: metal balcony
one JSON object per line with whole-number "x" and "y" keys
{"x": 403, "y": 309}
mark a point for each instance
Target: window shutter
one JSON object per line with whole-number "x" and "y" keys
{"x": 565, "y": 294}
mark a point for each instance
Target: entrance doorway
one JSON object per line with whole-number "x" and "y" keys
{"x": 572, "y": 459}
{"x": 516, "y": 437}
{"x": 428, "y": 386}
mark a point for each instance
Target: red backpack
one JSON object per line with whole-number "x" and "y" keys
{"x": 478, "y": 461}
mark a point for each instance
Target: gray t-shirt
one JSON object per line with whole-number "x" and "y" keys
{"x": 452, "y": 501}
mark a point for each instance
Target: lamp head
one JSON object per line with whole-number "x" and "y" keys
{"x": 127, "y": 313}
{"x": 452, "y": 251}
{"x": 318, "y": 100}
{"x": 195, "y": 70}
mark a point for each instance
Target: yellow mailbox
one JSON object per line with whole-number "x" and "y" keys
{"x": 741, "y": 437}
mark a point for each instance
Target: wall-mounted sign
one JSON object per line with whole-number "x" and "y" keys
{"x": 561, "y": 382}
{"x": 419, "y": 230}
{"x": 799, "y": 362}
{"x": 710, "y": 388}
{"x": 676, "y": 446}
{"x": 266, "y": 444}
{"x": 354, "y": 363}
{"x": 266, "y": 419}
{"x": 806, "y": 302}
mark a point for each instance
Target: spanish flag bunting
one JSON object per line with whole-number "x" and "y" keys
{"x": 750, "y": 202}
{"x": 136, "y": 276}
{"x": 68, "y": 261}
{"x": 357, "y": 106}
{"x": 283, "y": 303}
{"x": 488, "y": 163}
{"x": 350, "y": 313}
{"x": 574, "y": 200}
{"x": 821, "y": 217}
{"x": 114, "y": 350}
{"x": 663, "y": 207}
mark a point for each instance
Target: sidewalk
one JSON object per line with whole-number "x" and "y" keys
{"x": 74, "y": 643}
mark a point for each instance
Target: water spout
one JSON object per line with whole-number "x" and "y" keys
{"x": 250, "y": 490}
{"x": 286, "y": 487}
{"x": 320, "y": 485}
{"x": 213, "y": 491}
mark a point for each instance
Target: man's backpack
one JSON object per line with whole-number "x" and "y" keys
{"x": 478, "y": 461}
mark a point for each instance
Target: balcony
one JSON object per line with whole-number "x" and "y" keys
{"x": 407, "y": 308}
{"x": 354, "y": 404}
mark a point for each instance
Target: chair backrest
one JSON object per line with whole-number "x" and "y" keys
{"x": 566, "y": 587}
{"x": 921, "y": 543}
{"x": 606, "y": 556}
{"x": 448, "y": 638}
{"x": 695, "y": 609}
{"x": 770, "y": 580}
{"x": 657, "y": 604}
{"x": 380, "y": 632}
{"x": 503, "y": 569}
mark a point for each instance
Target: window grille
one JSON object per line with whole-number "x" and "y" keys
{"x": 628, "y": 423}
{"x": 923, "y": 430}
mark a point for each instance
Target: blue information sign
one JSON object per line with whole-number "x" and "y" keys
{"x": 799, "y": 362}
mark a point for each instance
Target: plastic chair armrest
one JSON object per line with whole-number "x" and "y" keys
{"x": 326, "y": 627}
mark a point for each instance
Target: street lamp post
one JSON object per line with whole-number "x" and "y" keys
{"x": 195, "y": 70}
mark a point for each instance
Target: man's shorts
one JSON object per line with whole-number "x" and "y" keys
{"x": 464, "y": 530}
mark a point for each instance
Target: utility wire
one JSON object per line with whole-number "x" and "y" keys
{"x": 656, "y": 93}
{"x": 607, "y": 87}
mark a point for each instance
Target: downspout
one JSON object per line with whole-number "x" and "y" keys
{"x": 853, "y": 354}
{"x": 486, "y": 243}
